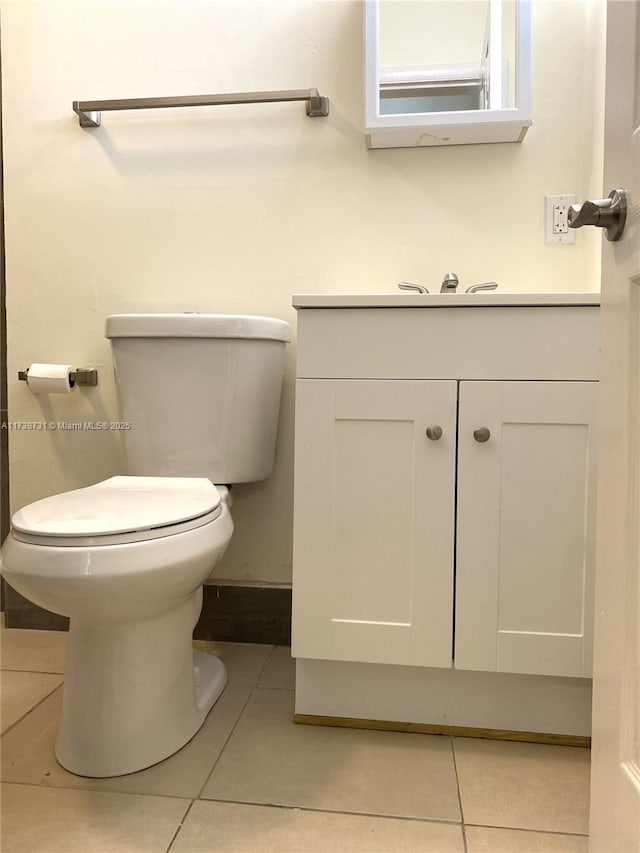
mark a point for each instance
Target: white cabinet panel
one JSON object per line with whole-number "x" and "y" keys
{"x": 449, "y": 341}
{"x": 374, "y": 521}
{"x": 525, "y": 527}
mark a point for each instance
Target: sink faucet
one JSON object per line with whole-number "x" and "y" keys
{"x": 449, "y": 283}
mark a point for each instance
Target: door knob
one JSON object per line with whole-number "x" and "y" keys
{"x": 482, "y": 434}
{"x": 609, "y": 213}
{"x": 434, "y": 432}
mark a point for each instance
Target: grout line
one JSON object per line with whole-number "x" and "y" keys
{"x": 528, "y": 829}
{"x": 455, "y": 770}
{"x": 33, "y": 707}
{"x": 224, "y": 746}
{"x": 109, "y": 791}
{"x": 180, "y": 825}
{"x": 264, "y": 665}
{"x": 32, "y": 671}
{"x": 319, "y": 810}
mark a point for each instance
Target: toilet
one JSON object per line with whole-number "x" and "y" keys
{"x": 125, "y": 559}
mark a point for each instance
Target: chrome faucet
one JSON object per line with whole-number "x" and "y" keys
{"x": 449, "y": 283}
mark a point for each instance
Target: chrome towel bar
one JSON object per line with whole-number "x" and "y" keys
{"x": 90, "y": 112}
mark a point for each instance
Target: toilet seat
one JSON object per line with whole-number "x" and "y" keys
{"x": 118, "y": 511}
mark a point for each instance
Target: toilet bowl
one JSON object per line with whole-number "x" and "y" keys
{"x": 126, "y": 559}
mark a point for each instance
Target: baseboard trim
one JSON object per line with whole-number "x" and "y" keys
{"x": 233, "y": 614}
{"x": 245, "y": 614}
{"x": 19, "y": 612}
{"x": 429, "y": 729}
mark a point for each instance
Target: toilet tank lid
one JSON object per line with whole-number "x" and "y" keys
{"x": 195, "y": 325}
{"x": 119, "y": 505}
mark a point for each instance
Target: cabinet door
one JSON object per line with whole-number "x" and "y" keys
{"x": 374, "y": 521}
{"x": 525, "y": 538}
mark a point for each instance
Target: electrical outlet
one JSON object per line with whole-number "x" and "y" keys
{"x": 556, "y": 222}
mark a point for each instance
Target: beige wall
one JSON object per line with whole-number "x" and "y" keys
{"x": 235, "y": 209}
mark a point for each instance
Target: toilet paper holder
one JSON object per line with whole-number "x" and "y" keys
{"x": 80, "y": 376}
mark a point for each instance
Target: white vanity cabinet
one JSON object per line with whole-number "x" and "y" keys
{"x": 445, "y": 481}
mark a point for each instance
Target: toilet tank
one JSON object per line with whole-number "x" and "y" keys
{"x": 200, "y": 393}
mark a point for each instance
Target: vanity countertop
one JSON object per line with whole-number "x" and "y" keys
{"x": 443, "y": 300}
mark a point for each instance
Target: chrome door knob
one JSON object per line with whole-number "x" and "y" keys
{"x": 609, "y": 213}
{"x": 434, "y": 432}
{"x": 482, "y": 434}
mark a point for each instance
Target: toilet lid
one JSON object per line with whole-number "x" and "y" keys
{"x": 119, "y": 505}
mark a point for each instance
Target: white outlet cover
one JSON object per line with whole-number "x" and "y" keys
{"x": 556, "y": 229}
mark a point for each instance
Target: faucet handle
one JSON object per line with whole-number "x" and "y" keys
{"x": 489, "y": 285}
{"x": 418, "y": 288}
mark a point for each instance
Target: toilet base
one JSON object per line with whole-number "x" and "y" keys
{"x": 210, "y": 679}
{"x": 134, "y": 694}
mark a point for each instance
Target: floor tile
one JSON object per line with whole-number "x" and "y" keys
{"x": 244, "y": 661}
{"x": 33, "y": 651}
{"x": 481, "y": 839}
{"x": 28, "y": 752}
{"x": 264, "y": 829}
{"x": 62, "y": 821}
{"x": 271, "y": 760}
{"x": 21, "y": 691}
{"x": 280, "y": 671}
{"x": 523, "y": 785}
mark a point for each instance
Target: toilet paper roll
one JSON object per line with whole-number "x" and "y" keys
{"x": 50, "y": 378}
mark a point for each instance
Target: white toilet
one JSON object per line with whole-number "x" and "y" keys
{"x": 126, "y": 559}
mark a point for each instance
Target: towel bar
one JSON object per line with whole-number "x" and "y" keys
{"x": 90, "y": 112}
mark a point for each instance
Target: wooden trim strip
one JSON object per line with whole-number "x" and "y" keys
{"x": 432, "y": 729}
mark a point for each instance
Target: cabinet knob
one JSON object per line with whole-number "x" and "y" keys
{"x": 482, "y": 434}
{"x": 434, "y": 432}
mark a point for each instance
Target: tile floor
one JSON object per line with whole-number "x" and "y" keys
{"x": 251, "y": 780}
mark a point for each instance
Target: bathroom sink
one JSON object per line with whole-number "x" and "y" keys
{"x": 441, "y": 300}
